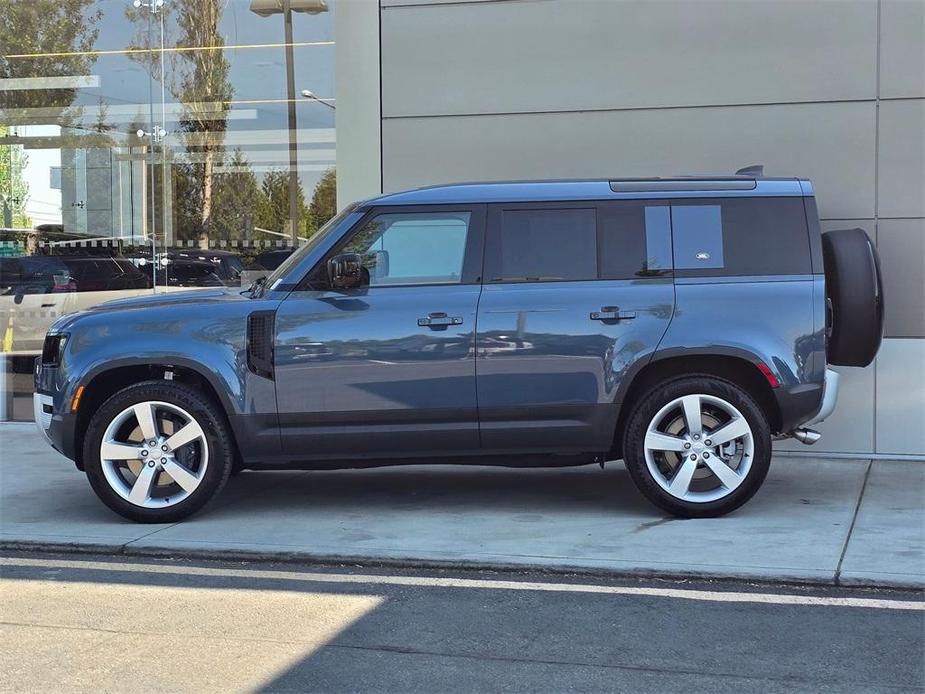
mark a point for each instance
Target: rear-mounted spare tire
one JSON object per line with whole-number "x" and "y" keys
{"x": 855, "y": 293}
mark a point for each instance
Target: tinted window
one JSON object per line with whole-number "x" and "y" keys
{"x": 742, "y": 236}
{"x": 412, "y": 248}
{"x": 543, "y": 244}
{"x": 635, "y": 240}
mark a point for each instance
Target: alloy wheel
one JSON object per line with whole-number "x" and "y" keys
{"x": 154, "y": 454}
{"x": 699, "y": 448}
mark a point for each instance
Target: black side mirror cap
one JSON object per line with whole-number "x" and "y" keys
{"x": 345, "y": 271}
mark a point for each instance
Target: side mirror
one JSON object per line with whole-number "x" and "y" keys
{"x": 345, "y": 271}
{"x": 20, "y": 294}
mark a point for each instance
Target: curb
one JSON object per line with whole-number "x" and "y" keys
{"x": 314, "y": 560}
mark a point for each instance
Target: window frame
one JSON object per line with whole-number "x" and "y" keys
{"x": 473, "y": 253}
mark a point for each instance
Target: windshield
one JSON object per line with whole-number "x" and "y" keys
{"x": 294, "y": 259}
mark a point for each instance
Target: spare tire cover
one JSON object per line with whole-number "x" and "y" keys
{"x": 855, "y": 293}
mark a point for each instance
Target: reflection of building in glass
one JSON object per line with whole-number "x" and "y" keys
{"x": 156, "y": 147}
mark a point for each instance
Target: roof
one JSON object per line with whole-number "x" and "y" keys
{"x": 612, "y": 189}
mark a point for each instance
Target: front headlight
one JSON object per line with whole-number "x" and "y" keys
{"x": 53, "y": 348}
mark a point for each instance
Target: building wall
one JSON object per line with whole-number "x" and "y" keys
{"x": 481, "y": 90}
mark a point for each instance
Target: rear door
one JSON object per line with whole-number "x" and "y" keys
{"x": 389, "y": 369}
{"x": 574, "y": 295}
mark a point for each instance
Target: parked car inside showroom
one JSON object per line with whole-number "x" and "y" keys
{"x": 679, "y": 324}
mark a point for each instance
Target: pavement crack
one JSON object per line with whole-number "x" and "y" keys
{"x": 854, "y": 518}
{"x": 405, "y": 650}
{"x": 142, "y": 537}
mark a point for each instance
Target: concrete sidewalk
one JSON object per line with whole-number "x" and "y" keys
{"x": 815, "y": 520}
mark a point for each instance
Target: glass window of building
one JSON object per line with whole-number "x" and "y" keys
{"x": 154, "y": 147}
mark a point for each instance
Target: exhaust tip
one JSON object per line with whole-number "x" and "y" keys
{"x": 807, "y": 436}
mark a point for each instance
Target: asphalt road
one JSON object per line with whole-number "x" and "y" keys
{"x": 79, "y": 623}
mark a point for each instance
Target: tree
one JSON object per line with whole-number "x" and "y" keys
{"x": 199, "y": 79}
{"x": 14, "y": 191}
{"x": 236, "y": 195}
{"x": 43, "y": 30}
{"x": 324, "y": 200}
{"x": 273, "y": 204}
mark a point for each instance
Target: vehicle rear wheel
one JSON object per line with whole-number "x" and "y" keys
{"x": 697, "y": 446}
{"x": 157, "y": 452}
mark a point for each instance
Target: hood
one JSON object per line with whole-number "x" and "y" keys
{"x": 176, "y": 296}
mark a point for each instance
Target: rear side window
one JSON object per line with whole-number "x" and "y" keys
{"x": 544, "y": 245}
{"x": 608, "y": 240}
{"x": 740, "y": 236}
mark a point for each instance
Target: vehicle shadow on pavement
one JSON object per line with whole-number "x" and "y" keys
{"x": 448, "y": 488}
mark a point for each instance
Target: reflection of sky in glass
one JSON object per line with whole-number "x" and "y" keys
{"x": 255, "y": 74}
{"x": 698, "y": 236}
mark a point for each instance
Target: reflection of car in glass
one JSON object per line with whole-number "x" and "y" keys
{"x": 182, "y": 272}
{"x": 34, "y": 275}
{"x": 102, "y": 274}
{"x": 270, "y": 260}
{"x": 226, "y": 266}
{"x": 678, "y": 324}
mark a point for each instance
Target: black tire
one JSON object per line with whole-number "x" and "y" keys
{"x": 207, "y": 415}
{"x": 855, "y": 290}
{"x": 647, "y": 407}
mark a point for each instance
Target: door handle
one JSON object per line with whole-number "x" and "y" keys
{"x": 439, "y": 320}
{"x": 612, "y": 313}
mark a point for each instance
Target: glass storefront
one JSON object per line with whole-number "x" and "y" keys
{"x": 154, "y": 146}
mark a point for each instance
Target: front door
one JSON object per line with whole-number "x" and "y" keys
{"x": 574, "y": 295}
{"x": 389, "y": 369}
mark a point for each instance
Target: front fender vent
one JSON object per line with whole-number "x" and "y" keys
{"x": 260, "y": 343}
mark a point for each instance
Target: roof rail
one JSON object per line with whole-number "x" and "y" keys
{"x": 673, "y": 185}
{"x": 756, "y": 170}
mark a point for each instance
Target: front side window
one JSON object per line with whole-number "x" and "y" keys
{"x": 412, "y": 247}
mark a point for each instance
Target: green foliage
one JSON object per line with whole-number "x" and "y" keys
{"x": 46, "y": 27}
{"x": 236, "y": 195}
{"x": 273, "y": 205}
{"x": 14, "y": 191}
{"x": 324, "y": 200}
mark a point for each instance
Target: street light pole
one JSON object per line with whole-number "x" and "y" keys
{"x": 265, "y": 8}
{"x": 309, "y": 94}
{"x": 293, "y": 138}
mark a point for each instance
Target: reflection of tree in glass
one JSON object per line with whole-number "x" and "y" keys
{"x": 324, "y": 200}
{"x": 236, "y": 195}
{"x": 39, "y": 30}
{"x": 14, "y": 190}
{"x": 43, "y": 30}
{"x": 363, "y": 241}
{"x": 198, "y": 78}
{"x": 273, "y": 204}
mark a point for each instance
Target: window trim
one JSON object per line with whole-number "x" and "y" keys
{"x": 473, "y": 254}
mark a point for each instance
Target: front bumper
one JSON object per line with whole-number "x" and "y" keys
{"x": 57, "y": 429}
{"x": 829, "y": 397}
{"x": 42, "y": 409}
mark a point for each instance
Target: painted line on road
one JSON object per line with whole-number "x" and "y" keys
{"x": 476, "y": 583}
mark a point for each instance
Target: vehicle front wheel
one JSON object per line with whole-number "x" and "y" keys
{"x": 157, "y": 452}
{"x": 697, "y": 446}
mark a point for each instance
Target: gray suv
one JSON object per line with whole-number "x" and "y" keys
{"x": 679, "y": 324}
